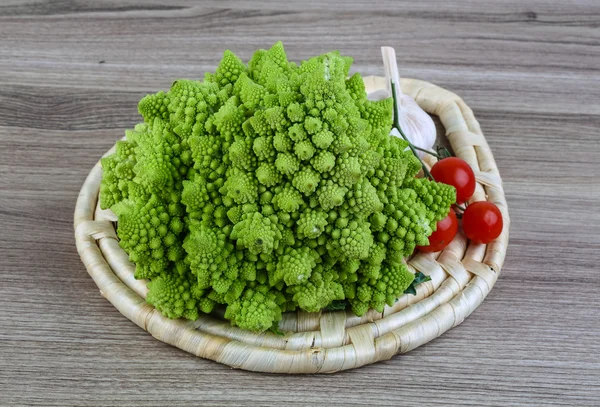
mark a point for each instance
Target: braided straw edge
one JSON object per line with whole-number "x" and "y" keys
{"x": 462, "y": 276}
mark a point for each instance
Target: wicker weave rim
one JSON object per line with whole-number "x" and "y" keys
{"x": 461, "y": 277}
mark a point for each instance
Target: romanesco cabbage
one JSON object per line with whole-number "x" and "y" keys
{"x": 269, "y": 187}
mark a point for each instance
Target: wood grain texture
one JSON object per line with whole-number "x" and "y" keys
{"x": 71, "y": 73}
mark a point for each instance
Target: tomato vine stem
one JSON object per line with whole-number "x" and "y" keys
{"x": 462, "y": 208}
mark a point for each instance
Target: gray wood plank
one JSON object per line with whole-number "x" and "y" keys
{"x": 71, "y": 73}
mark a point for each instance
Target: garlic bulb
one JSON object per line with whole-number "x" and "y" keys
{"x": 415, "y": 123}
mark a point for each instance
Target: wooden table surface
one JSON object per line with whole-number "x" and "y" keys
{"x": 71, "y": 74}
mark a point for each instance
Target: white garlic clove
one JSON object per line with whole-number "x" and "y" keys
{"x": 415, "y": 123}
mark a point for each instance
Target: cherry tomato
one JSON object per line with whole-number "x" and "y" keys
{"x": 456, "y": 172}
{"x": 443, "y": 235}
{"x": 482, "y": 222}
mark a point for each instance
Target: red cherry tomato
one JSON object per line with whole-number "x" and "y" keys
{"x": 482, "y": 222}
{"x": 443, "y": 235}
{"x": 456, "y": 172}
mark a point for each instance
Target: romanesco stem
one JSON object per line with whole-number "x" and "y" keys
{"x": 412, "y": 147}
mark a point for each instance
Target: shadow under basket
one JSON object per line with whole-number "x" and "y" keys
{"x": 461, "y": 277}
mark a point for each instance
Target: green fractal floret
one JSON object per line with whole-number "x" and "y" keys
{"x": 149, "y": 233}
{"x": 256, "y": 310}
{"x": 118, "y": 173}
{"x": 177, "y": 296}
{"x": 268, "y": 187}
{"x": 257, "y": 233}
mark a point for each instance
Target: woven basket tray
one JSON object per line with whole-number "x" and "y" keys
{"x": 461, "y": 277}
